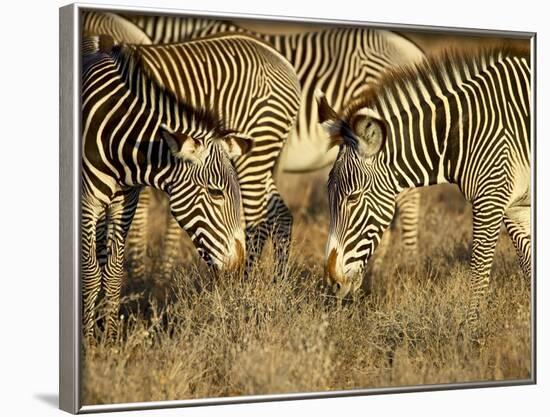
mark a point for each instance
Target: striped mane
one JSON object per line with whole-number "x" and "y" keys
{"x": 438, "y": 68}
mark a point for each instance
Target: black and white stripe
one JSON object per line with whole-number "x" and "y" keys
{"x": 136, "y": 134}
{"x": 263, "y": 103}
{"x": 177, "y": 29}
{"x": 460, "y": 118}
{"x": 255, "y": 91}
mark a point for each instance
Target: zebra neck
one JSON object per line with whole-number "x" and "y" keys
{"x": 155, "y": 167}
{"x": 423, "y": 134}
{"x": 148, "y": 159}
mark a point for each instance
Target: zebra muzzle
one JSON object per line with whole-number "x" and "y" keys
{"x": 237, "y": 259}
{"x": 333, "y": 274}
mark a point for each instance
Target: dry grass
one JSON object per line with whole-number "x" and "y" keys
{"x": 195, "y": 336}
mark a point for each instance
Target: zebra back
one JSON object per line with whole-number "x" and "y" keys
{"x": 176, "y": 29}
{"x": 118, "y": 28}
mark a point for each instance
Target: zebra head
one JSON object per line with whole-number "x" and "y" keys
{"x": 205, "y": 196}
{"x": 361, "y": 196}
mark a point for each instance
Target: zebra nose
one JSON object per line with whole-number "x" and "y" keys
{"x": 237, "y": 259}
{"x": 333, "y": 272}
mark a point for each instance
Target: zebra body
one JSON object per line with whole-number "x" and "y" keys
{"x": 459, "y": 118}
{"x": 135, "y": 135}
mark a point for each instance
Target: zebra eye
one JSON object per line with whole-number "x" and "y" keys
{"x": 354, "y": 197}
{"x": 215, "y": 193}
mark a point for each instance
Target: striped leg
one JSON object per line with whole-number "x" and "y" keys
{"x": 407, "y": 212}
{"x": 91, "y": 270}
{"x": 101, "y": 239}
{"x": 104, "y": 229}
{"x": 137, "y": 239}
{"x": 171, "y": 247}
{"x": 518, "y": 224}
{"x": 256, "y": 236}
{"x": 487, "y": 219}
{"x": 254, "y": 191}
{"x": 121, "y": 213}
{"x": 408, "y": 208}
{"x": 381, "y": 250}
{"x": 279, "y": 220}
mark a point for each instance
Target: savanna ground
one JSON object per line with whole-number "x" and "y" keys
{"x": 193, "y": 336}
{"x": 190, "y": 335}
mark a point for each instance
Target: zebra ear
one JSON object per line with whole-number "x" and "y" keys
{"x": 181, "y": 145}
{"x": 237, "y": 144}
{"x": 329, "y": 119}
{"x": 370, "y": 129}
{"x": 324, "y": 111}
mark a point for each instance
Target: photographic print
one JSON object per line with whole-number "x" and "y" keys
{"x": 284, "y": 207}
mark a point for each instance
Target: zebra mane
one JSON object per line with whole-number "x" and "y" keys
{"x": 207, "y": 119}
{"x": 439, "y": 68}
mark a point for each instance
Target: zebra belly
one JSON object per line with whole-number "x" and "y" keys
{"x": 521, "y": 191}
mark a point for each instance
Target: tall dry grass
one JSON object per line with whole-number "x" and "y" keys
{"x": 193, "y": 335}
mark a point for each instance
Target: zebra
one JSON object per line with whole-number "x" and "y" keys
{"x": 256, "y": 92}
{"x": 461, "y": 118}
{"x": 262, "y": 102}
{"x": 135, "y": 135}
{"x": 343, "y": 62}
{"x": 266, "y": 107}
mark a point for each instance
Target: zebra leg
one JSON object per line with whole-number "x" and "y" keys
{"x": 256, "y": 236}
{"x": 254, "y": 192}
{"x": 487, "y": 219}
{"x": 104, "y": 229}
{"x": 137, "y": 239}
{"x": 279, "y": 219}
{"x": 518, "y": 223}
{"x": 101, "y": 239}
{"x": 380, "y": 253}
{"x": 91, "y": 270}
{"x": 408, "y": 208}
{"x": 170, "y": 247}
{"x": 121, "y": 213}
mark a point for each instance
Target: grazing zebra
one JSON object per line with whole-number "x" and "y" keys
{"x": 461, "y": 118}
{"x": 255, "y": 91}
{"x": 343, "y": 62}
{"x": 136, "y": 134}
